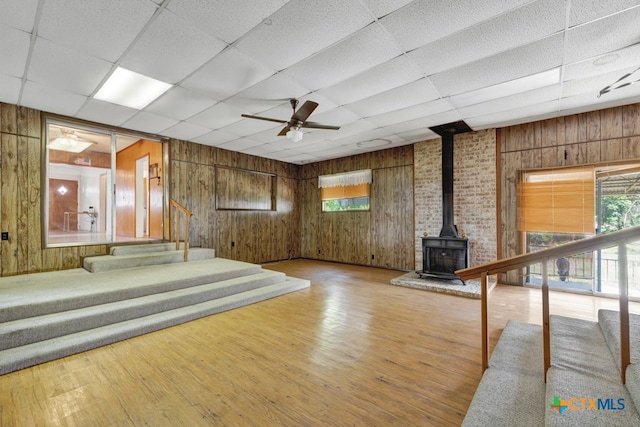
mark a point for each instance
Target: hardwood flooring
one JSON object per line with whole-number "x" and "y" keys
{"x": 351, "y": 350}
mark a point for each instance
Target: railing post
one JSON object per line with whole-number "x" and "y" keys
{"x": 623, "y": 284}
{"x": 546, "y": 330}
{"x": 485, "y": 320}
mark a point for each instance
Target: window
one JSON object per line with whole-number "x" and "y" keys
{"x": 345, "y": 191}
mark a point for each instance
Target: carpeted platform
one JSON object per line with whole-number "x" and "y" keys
{"x": 454, "y": 287}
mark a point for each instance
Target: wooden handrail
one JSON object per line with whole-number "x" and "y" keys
{"x": 174, "y": 215}
{"x": 619, "y": 238}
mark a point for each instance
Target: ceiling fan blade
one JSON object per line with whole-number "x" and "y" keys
{"x": 264, "y": 118}
{"x": 284, "y": 130}
{"x": 314, "y": 125}
{"x": 305, "y": 111}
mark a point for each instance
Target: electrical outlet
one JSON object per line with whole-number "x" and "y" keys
{"x": 5, "y": 235}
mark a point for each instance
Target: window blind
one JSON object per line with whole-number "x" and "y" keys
{"x": 558, "y": 201}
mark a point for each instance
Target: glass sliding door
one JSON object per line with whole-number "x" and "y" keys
{"x": 618, "y": 208}
{"x": 84, "y": 167}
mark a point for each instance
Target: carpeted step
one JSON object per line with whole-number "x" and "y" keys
{"x": 144, "y": 248}
{"x": 44, "y": 293}
{"x": 102, "y": 263}
{"x": 43, "y": 351}
{"x": 609, "y": 322}
{"x": 26, "y": 331}
{"x": 512, "y": 390}
{"x": 583, "y": 369}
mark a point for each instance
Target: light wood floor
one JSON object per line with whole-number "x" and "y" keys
{"x": 350, "y": 351}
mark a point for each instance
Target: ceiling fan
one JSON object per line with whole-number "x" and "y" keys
{"x": 297, "y": 121}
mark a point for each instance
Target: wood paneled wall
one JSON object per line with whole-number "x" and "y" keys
{"x": 21, "y": 176}
{"x": 245, "y": 235}
{"x": 384, "y": 233}
{"x": 595, "y": 137}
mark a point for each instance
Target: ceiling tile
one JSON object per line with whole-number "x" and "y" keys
{"x": 411, "y": 94}
{"x": 380, "y": 8}
{"x": 423, "y": 22}
{"x": 620, "y": 59}
{"x": 18, "y": 14}
{"x": 105, "y": 112}
{"x": 337, "y": 116}
{"x": 66, "y": 69}
{"x": 515, "y": 116}
{"x": 149, "y": 122}
{"x": 367, "y": 48}
{"x": 425, "y": 122}
{"x": 9, "y": 88}
{"x": 267, "y": 94}
{"x": 214, "y": 138}
{"x": 302, "y": 28}
{"x": 185, "y": 131}
{"x": 596, "y": 38}
{"x": 403, "y": 115}
{"x": 391, "y": 74}
{"x": 506, "y": 103}
{"x": 593, "y": 84}
{"x": 248, "y": 127}
{"x": 227, "y": 74}
{"x": 226, "y": 20}
{"x": 526, "y": 60}
{"x": 588, "y": 10}
{"x": 507, "y": 31}
{"x": 14, "y": 50}
{"x": 47, "y": 98}
{"x": 180, "y": 104}
{"x": 239, "y": 144}
{"x": 101, "y": 28}
{"x": 218, "y": 116}
{"x": 170, "y": 49}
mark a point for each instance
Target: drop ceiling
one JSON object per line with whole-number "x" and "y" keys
{"x": 383, "y": 70}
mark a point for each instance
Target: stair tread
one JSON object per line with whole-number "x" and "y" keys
{"x": 147, "y": 247}
{"x": 567, "y": 384}
{"x": 32, "y": 329}
{"x": 70, "y": 289}
{"x": 580, "y": 345}
{"x": 516, "y": 370}
{"x": 609, "y": 321}
{"x": 518, "y": 398}
{"x": 31, "y": 354}
{"x": 101, "y": 263}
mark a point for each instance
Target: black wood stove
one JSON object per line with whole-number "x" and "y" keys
{"x": 443, "y": 255}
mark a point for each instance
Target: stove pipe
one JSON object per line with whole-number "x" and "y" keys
{"x": 448, "y": 227}
{"x": 446, "y": 132}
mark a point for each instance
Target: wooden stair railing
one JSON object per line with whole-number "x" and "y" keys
{"x": 175, "y": 209}
{"x": 619, "y": 238}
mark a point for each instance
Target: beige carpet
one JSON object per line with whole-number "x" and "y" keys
{"x": 454, "y": 287}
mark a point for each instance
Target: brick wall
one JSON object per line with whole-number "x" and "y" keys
{"x": 474, "y": 191}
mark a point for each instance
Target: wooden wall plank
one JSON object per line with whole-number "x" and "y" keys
{"x": 34, "y": 209}
{"x": 10, "y": 210}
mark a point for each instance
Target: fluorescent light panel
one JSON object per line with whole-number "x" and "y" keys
{"x": 71, "y": 145}
{"x": 131, "y": 89}
{"x": 512, "y": 87}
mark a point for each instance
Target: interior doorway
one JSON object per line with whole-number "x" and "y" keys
{"x": 63, "y": 205}
{"x": 142, "y": 196}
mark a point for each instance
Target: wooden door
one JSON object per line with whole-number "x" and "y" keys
{"x": 63, "y": 197}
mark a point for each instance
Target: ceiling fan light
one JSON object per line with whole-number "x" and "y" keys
{"x": 294, "y": 135}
